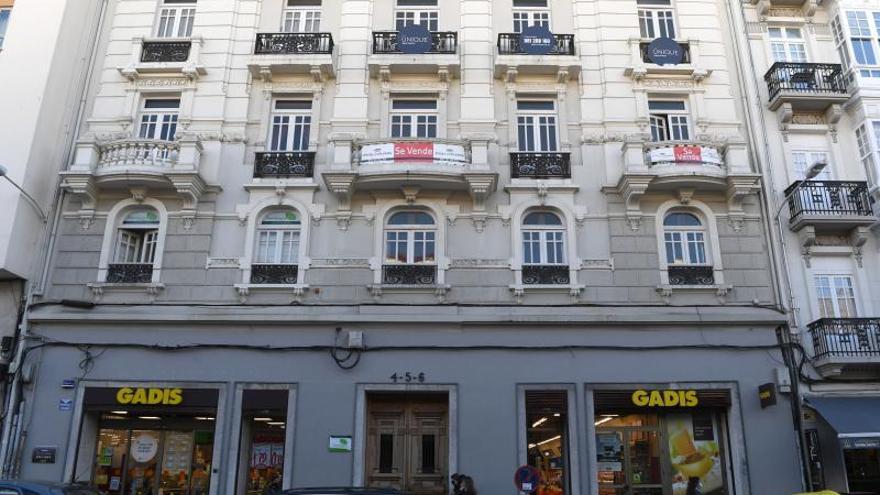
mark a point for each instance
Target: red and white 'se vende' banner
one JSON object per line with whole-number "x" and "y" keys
{"x": 412, "y": 151}
{"x": 685, "y": 154}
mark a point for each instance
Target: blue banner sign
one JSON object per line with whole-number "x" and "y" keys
{"x": 665, "y": 51}
{"x": 414, "y": 39}
{"x": 536, "y": 40}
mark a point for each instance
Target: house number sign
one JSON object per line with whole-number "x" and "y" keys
{"x": 408, "y": 377}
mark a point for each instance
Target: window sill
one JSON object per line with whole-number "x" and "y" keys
{"x": 438, "y": 290}
{"x": 296, "y": 290}
{"x": 99, "y": 288}
{"x": 666, "y": 290}
{"x": 519, "y": 290}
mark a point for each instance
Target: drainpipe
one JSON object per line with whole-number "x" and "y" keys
{"x": 778, "y": 249}
{"x": 14, "y": 423}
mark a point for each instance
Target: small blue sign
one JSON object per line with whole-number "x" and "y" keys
{"x": 65, "y": 404}
{"x": 69, "y": 383}
{"x": 536, "y": 40}
{"x": 526, "y": 479}
{"x": 414, "y": 39}
{"x": 665, "y": 51}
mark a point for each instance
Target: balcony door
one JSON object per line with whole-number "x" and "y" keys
{"x": 836, "y": 295}
{"x": 787, "y": 44}
{"x": 302, "y": 16}
{"x": 407, "y": 443}
{"x": 536, "y": 126}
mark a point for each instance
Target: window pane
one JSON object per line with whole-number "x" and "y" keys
{"x": 535, "y": 105}
{"x": 541, "y": 218}
{"x": 679, "y": 219}
{"x": 163, "y": 103}
{"x": 411, "y": 218}
{"x": 665, "y": 105}
{"x": 414, "y": 105}
{"x": 547, "y": 437}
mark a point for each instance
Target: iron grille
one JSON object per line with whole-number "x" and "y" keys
{"x": 801, "y": 77}
{"x": 165, "y": 51}
{"x": 508, "y": 44}
{"x": 846, "y": 337}
{"x": 441, "y": 42}
{"x": 274, "y": 274}
{"x": 409, "y": 274}
{"x": 284, "y": 164}
{"x": 691, "y": 275}
{"x": 829, "y": 198}
{"x": 543, "y": 165}
{"x": 130, "y": 273}
{"x": 293, "y": 43}
{"x": 545, "y": 275}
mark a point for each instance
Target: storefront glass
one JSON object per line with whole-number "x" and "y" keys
{"x": 863, "y": 469}
{"x": 263, "y": 433}
{"x": 547, "y": 437}
{"x": 658, "y": 452}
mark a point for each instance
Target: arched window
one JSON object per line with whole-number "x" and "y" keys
{"x": 276, "y": 253}
{"x": 685, "y": 238}
{"x": 543, "y": 236}
{"x": 410, "y": 249}
{"x": 135, "y": 248}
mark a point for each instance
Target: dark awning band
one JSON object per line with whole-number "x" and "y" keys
{"x": 850, "y": 416}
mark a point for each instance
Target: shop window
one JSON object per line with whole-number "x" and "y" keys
{"x": 546, "y": 413}
{"x": 669, "y": 120}
{"x": 291, "y": 125}
{"x": 422, "y": 12}
{"x": 263, "y": 440}
{"x": 863, "y": 469}
{"x": 658, "y": 451}
{"x": 302, "y": 16}
{"x": 536, "y": 125}
{"x": 159, "y": 119}
{"x": 787, "y": 44}
{"x": 413, "y": 118}
{"x": 176, "y": 19}
{"x": 656, "y": 19}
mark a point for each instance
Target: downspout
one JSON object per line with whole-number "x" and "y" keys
{"x": 12, "y": 424}
{"x": 778, "y": 250}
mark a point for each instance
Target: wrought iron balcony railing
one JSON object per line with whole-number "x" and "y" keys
{"x": 691, "y": 275}
{"x": 508, "y": 44}
{"x": 409, "y": 274}
{"x": 165, "y": 51}
{"x": 284, "y": 164}
{"x": 441, "y": 42}
{"x": 293, "y": 43}
{"x": 540, "y": 165}
{"x": 130, "y": 273}
{"x": 829, "y": 198}
{"x": 806, "y": 78}
{"x": 545, "y": 275}
{"x": 274, "y": 274}
{"x": 685, "y": 48}
{"x": 846, "y": 337}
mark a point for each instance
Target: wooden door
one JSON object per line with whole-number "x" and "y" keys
{"x": 407, "y": 443}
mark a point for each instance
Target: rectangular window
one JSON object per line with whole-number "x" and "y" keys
{"x": 836, "y": 296}
{"x": 427, "y": 18}
{"x": 4, "y": 21}
{"x": 669, "y": 120}
{"x": 523, "y": 18}
{"x": 176, "y": 19}
{"x": 159, "y": 118}
{"x": 685, "y": 248}
{"x": 277, "y": 246}
{"x": 136, "y": 246}
{"x": 536, "y": 126}
{"x": 787, "y": 44}
{"x": 803, "y": 160}
{"x": 413, "y": 118}
{"x": 546, "y": 415}
{"x": 291, "y": 125}
{"x": 656, "y": 19}
{"x": 543, "y": 247}
{"x": 863, "y": 39}
{"x": 840, "y": 42}
{"x": 410, "y": 246}
{"x": 301, "y": 20}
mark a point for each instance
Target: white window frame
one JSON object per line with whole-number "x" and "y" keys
{"x": 868, "y": 29}
{"x": 294, "y": 120}
{"x": 802, "y": 159}
{"x": 530, "y": 16}
{"x": 787, "y": 48}
{"x": 836, "y": 300}
{"x": 546, "y": 236}
{"x": 868, "y": 141}
{"x": 428, "y": 236}
{"x": 427, "y": 15}
{"x": 164, "y": 121}
{"x": 685, "y": 237}
{"x": 300, "y": 18}
{"x": 424, "y": 118}
{"x": 4, "y": 26}
{"x": 115, "y": 217}
{"x": 712, "y": 243}
{"x": 175, "y": 19}
{"x": 670, "y": 122}
{"x": 136, "y": 243}
{"x": 537, "y": 123}
{"x": 656, "y": 18}
{"x": 280, "y": 231}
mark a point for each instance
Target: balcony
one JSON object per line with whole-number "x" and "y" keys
{"x": 441, "y": 59}
{"x": 830, "y": 206}
{"x": 546, "y": 275}
{"x": 805, "y": 87}
{"x": 284, "y": 164}
{"x": 691, "y": 275}
{"x": 136, "y": 165}
{"x": 412, "y": 165}
{"x": 417, "y": 275}
{"x": 129, "y": 273}
{"x": 292, "y": 53}
{"x": 513, "y": 60}
{"x": 274, "y": 274}
{"x": 641, "y": 66}
{"x": 845, "y": 345}
{"x": 540, "y": 165}
{"x": 163, "y": 57}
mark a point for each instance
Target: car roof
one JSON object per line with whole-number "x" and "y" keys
{"x": 341, "y": 490}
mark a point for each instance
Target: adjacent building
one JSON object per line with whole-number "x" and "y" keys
{"x": 381, "y": 242}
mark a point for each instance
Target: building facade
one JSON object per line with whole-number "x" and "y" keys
{"x": 381, "y": 242}
{"x": 817, "y": 102}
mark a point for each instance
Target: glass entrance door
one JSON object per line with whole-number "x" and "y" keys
{"x": 629, "y": 462}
